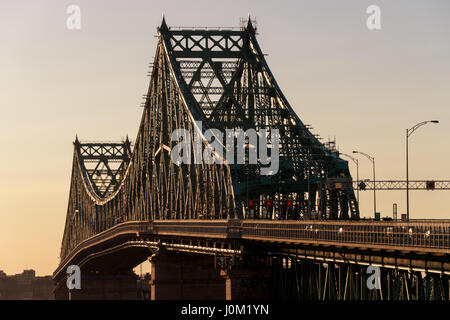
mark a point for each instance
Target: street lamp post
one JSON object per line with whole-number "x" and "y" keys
{"x": 372, "y": 159}
{"x": 355, "y": 160}
{"x": 408, "y": 133}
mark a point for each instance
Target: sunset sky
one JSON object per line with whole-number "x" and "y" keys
{"x": 364, "y": 87}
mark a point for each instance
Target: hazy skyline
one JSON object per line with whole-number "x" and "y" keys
{"x": 362, "y": 87}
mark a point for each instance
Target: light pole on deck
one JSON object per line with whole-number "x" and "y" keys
{"x": 372, "y": 159}
{"x": 408, "y": 133}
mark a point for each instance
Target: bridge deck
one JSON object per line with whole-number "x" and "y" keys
{"x": 425, "y": 237}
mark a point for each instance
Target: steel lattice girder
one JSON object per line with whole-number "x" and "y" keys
{"x": 226, "y": 81}
{"x": 401, "y": 185}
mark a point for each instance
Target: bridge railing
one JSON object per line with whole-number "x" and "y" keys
{"x": 419, "y": 234}
{"x": 214, "y": 228}
{"x": 395, "y": 234}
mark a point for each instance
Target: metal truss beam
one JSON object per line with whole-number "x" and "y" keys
{"x": 401, "y": 185}
{"x": 97, "y": 164}
{"x": 304, "y": 279}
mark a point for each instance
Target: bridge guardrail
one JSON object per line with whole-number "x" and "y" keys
{"x": 396, "y": 234}
{"x": 225, "y": 228}
{"x": 234, "y": 229}
{"x": 419, "y": 234}
{"x": 186, "y": 227}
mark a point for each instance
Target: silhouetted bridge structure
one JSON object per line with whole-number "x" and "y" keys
{"x": 225, "y": 229}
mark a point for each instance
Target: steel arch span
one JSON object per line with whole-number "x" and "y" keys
{"x": 207, "y": 79}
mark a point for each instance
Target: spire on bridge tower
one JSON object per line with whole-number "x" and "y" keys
{"x": 249, "y": 21}
{"x": 250, "y": 26}
{"x": 163, "y": 25}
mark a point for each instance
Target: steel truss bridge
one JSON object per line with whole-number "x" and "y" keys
{"x": 299, "y": 226}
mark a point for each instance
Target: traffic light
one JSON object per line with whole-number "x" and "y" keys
{"x": 288, "y": 203}
{"x": 269, "y": 203}
{"x": 251, "y": 204}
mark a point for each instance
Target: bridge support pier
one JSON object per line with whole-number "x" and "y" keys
{"x": 95, "y": 286}
{"x": 246, "y": 284}
{"x": 179, "y": 276}
{"x": 61, "y": 292}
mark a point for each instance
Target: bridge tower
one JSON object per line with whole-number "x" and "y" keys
{"x": 223, "y": 77}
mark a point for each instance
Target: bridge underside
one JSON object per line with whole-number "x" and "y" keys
{"x": 178, "y": 275}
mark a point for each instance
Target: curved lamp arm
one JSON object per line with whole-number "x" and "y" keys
{"x": 417, "y": 126}
{"x": 350, "y": 157}
{"x": 365, "y": 154}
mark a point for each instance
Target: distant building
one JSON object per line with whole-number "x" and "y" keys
{"x": 25, "y": 286}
